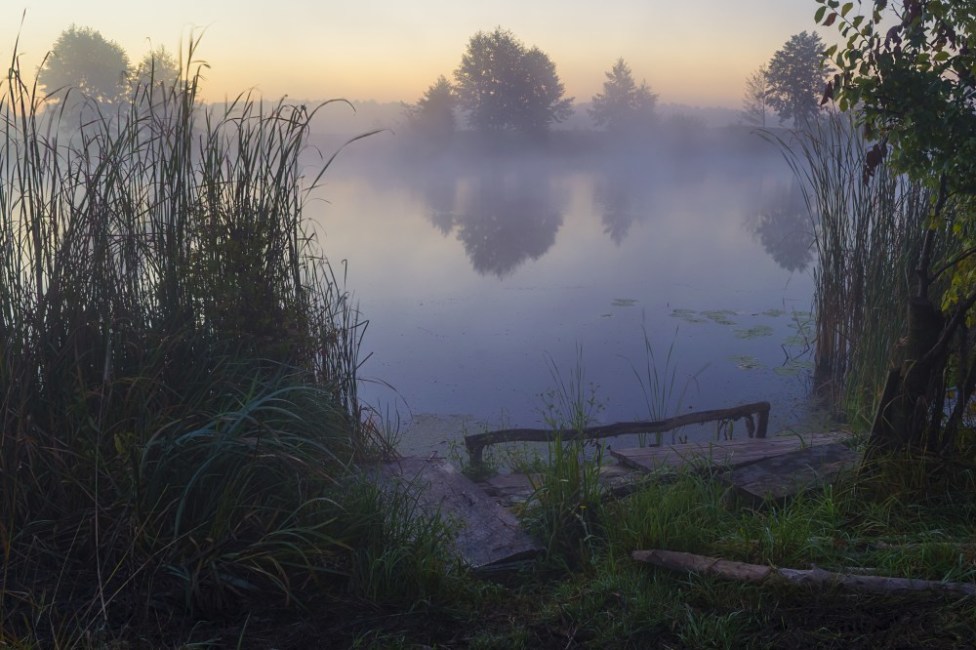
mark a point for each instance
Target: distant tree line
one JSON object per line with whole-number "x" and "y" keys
{"x": 502, "y": 85}
{"x": 790, "y": 85}
{"x": 86, "y": 72}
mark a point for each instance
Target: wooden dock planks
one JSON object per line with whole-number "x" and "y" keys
{"x": 778, "y": 477}
{"x": 725, "y": 453}
{"x": 488, "y": 535}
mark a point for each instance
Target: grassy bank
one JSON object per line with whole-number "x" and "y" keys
{"x": 179, "y": 428}
{"x": 181, "y": 444}
{"x": 588, "y": 592}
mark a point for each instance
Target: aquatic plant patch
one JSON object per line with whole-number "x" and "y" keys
{"x": 754, "y": 332}
{"x": 746, "y": 362}
{"x": 687, "y": 315}
{"x": 793, "y": 367}
{"x": 624, "y": 302}
{"x": 720, "y": 316}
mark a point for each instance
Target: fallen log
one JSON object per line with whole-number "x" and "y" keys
{"x": 476, "y": 443}
{"x": 815, "y": 577}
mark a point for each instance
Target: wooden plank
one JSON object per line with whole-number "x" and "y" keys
{"x": 725, "y": 453}
{"x": 476, "y": 443}
{"x": 784, "y": 475}
{"x": 488, "y": 536}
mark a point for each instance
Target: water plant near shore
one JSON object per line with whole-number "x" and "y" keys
{"x": 863, "y": 229}
{"x": 178, "y": 409}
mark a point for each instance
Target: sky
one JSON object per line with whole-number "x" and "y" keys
{"x": 695, "y": 52}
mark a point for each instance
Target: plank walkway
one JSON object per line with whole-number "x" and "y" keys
{"x": 487, "y": 533}
{"x": 732, "y": 453}
{"x": 778, "y": 466}
{"x": 755, "y": 469}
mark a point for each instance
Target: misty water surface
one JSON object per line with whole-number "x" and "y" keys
{"x": 479, "y": 278}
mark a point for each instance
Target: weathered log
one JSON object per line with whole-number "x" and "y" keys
{"x": 757, "y": 573}
{"x": 477, "y": 442}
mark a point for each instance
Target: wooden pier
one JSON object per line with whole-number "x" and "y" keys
{"x": 756, "y": 470}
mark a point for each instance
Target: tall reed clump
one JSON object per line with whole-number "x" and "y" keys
{"x": 566, "y": 505}
{"x": 178, "y": 413}
{"x": 868, "y": 231}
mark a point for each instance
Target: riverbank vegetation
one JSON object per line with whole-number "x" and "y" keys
{"x": 184, "y": 461}
{"x": 180, "y": 428}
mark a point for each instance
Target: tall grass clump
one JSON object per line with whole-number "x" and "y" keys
{"x": 658, "y": 386}
{"x": 566, "y": 509}
{"x": 178, "y": 412}
{"x": 868, "y": 232}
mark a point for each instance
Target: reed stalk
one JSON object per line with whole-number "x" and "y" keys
{"x": 868, "y": 233}
{"x": 178, "y": 412}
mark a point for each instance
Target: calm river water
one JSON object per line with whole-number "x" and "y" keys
{"x": 486, "y": 282}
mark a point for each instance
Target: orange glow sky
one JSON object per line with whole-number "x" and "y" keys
{"x": 692, "y": 52}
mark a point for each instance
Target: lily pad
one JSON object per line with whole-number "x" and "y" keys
{"x": 793, "y": 367}
{"x": 796, "y": 339}
{"x": 746, "y": 362}
{"x": 774, "y": 313}
{"x": 623, "y": 302}
{"x": 687, "y": 315}
{"x": 720, "y": 316}
{"x": 754, "y": 332}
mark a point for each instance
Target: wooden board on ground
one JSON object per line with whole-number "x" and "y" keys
{"x": 725, "y": 453}
{"x": 489, "y": 536}
{"x": 778, "y": 477}
{"x": 517, "y": 489}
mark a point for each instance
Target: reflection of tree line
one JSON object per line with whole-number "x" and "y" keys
{"x": 504, "y": 219}
{"x": 782, "y": 224}
{"x": 622, "y": 201}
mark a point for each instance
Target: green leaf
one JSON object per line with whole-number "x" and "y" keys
{"x": 846, "y": 9}
{"x": 817, "y": 17}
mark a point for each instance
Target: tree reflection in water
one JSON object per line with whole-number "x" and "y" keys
{"x": 440, "y": 194}
{"x": 783, "y": 226}
{"x": 501, "y": 219}
{"x": 622, "y": 200}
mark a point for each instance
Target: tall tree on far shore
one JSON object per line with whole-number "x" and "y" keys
{"x": 623, "y": 105}
{"x": 432, "y": 118}
{"x": 155, "y": 78}
{"x": 83, "y": 61}
{"x": 755, "y": 103}
{"x": 796, "y": 78}
{"x": 505, "y": 86}
{"x": 158, "y": 67}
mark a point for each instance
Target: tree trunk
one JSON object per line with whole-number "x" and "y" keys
{"x": 910, "y": 413}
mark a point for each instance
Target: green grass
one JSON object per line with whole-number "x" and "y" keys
{"x": 180, "y": 433}
{"x": 608, "y": 601}
{"x": 182, "y": 450}
{"x": 865, "y": 235}
{"x": 588, "y": 592}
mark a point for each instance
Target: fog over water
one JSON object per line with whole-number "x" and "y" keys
{"x": 481, "y": 272}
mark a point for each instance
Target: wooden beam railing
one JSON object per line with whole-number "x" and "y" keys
{"x": 476, "y": 443}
